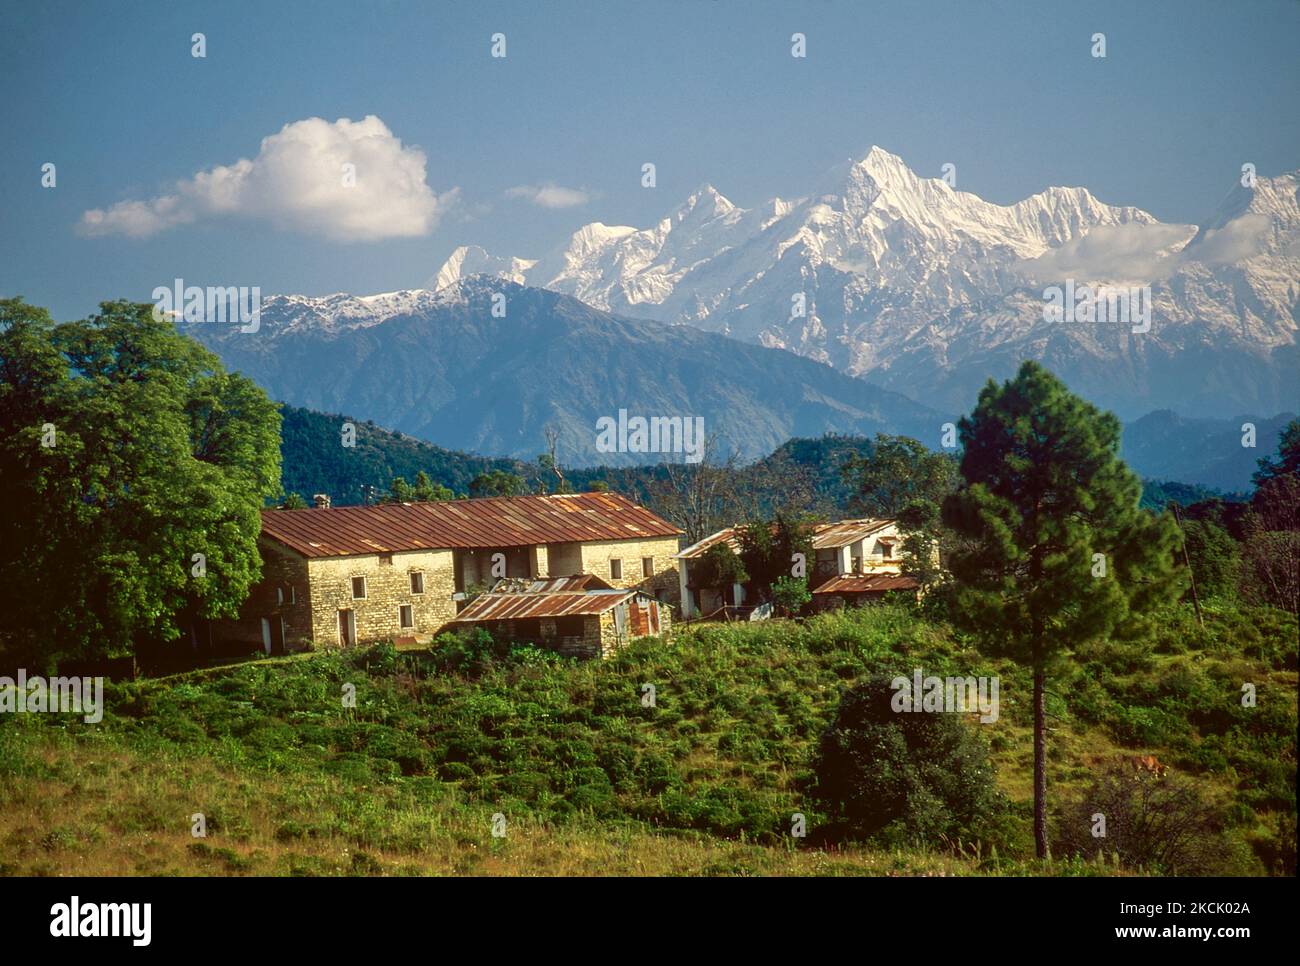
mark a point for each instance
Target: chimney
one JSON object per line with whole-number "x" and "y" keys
{"x": 322, "y": 501}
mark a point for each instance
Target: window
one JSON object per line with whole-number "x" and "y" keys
{"x": 386, "y": 558}
{"x": 615, "y": 568}
{"x": 570, "y": 625}
{"x": 293, "y": 595}
{"x": 526, "y": 630}
{"x": 406, "y": 616}
{"x": 279, "y": 595}
{"x": 358, "y": 588}
{"x": 417, "y": 582}
{"x": 647, "y": 566}
{"x": 886, "y": 549}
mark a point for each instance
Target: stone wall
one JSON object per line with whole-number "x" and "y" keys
{"x": 662, "y": 584}
{"x": 474, "y": 567}
{"x": 388, "y": 587}
{"x": 280, "y": 596}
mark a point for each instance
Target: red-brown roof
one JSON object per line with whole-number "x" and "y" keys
{"x": 504, "y": 607}
{"x": 491, "y": 522}
{"x": 825, "y": 536}
{"x": 575, "y": 583}
{"x": 866, "y": 584}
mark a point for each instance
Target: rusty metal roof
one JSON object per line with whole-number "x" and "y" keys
{"x": 866, "y": 584}
{"x": 505, "y": 607}
{"x": 574, "y": 583}
{"x": 488, "y": 523}
{"x": 829, "y": 536}
{"x": 727, "y": 536}
{"x": 826, "y": 536}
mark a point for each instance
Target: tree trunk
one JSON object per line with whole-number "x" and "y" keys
{"x": 1039, "y": 659}
{"x": 1040, "y": 760}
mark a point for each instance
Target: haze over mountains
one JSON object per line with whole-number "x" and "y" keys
{"x": 442, "y": 367}
{"x": 929, "y": 290}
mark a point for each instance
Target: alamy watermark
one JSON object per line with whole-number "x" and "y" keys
{"x": 32, "y": 695}
{"x": 1124, "y": 305}
{"x": 129, "y": 920}
{"x": 952, "y": 694}
{"x": 215, "y": 303}
{"x": 655, "y": 434}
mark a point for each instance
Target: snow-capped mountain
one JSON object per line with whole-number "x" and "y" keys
{"x": 930, "y": 291}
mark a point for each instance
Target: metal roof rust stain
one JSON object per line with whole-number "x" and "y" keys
{"x": 486, "y": 523}
{"x": 825, "y": 536}
{"x": 516, "y": 606}
{"x": 866, "y": 583}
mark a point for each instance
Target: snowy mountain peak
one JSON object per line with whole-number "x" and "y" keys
{"x": 703, "y": 203}
{"x": 904, "y": 277}
{"x": 473, "y": 260}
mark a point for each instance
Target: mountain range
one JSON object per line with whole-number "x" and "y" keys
{"x": 444, "y": 367}
{"x": 929, "y": 291}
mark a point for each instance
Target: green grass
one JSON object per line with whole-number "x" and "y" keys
{"x": 588, "y": 778}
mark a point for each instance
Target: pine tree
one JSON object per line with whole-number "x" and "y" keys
{"x": 1056, "y": 552}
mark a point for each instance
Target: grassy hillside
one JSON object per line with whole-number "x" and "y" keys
{"x": 590, "y": 780}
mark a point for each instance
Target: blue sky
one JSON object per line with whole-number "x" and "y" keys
{"x": 588, "y": 92}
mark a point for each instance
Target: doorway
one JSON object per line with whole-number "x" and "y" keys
{"x": 347, "y": 628}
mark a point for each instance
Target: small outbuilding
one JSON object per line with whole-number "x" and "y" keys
{"x": 853, "y": 590}
{"x": 579, "y": 616}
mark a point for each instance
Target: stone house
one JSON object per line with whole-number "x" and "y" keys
{"x": 842, "y": 548}
{"x": 580, "y": 616}
{"x": 336, "y": 576}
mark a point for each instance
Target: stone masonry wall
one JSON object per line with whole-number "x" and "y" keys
{"x": 280, "y": 595}
{"x": 388, "y": 586}
{"x": 662, "y": 584}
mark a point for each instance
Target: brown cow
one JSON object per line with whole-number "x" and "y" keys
{"x": 1147, "y": 765}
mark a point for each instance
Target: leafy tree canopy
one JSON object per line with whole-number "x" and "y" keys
{"x": 132, "y": 471}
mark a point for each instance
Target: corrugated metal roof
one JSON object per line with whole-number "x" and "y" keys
{"x": 575, "y": 583}
{"x": 490, "y": 522}
{"x": 866, "y": 584}
{"x": 826, "y": 536}
{"x": 727, "y": 536}
{"x": 504, "y": 607}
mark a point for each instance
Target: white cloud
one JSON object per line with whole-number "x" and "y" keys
{"x": 1132, "y": 252}
{"x": 549, "y": 195}
{"x": 1146, "y": 253}
{"x": 1236, "y": 241}
{"x": 137, "y": 219}
{"x": 298, "y": 182}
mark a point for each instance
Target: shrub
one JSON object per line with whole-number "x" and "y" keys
{"x": 790, "y": 595}
{"x": 1158, "y": 824}
{"x": 902, "y": 776}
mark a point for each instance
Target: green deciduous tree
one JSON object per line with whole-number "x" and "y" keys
{"x": 790, "y": 595}
{"x": 496, "y": 483}
{"x": 899, "y": 472}
{"x": 1213, "y": 556}
{"x": 768, "y": 550}
{"x": 718, "y": 568}
{"x": 1056, "y": 551}
{"x": 903, "y": 480}
{"x": 134, "y": 468}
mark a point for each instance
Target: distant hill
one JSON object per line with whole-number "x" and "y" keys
{"x": 443, "y": 367}
{"x": 314, "y": 459}
{"x": 1157, "y": 447}
{"x": 1208, "y": 452}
